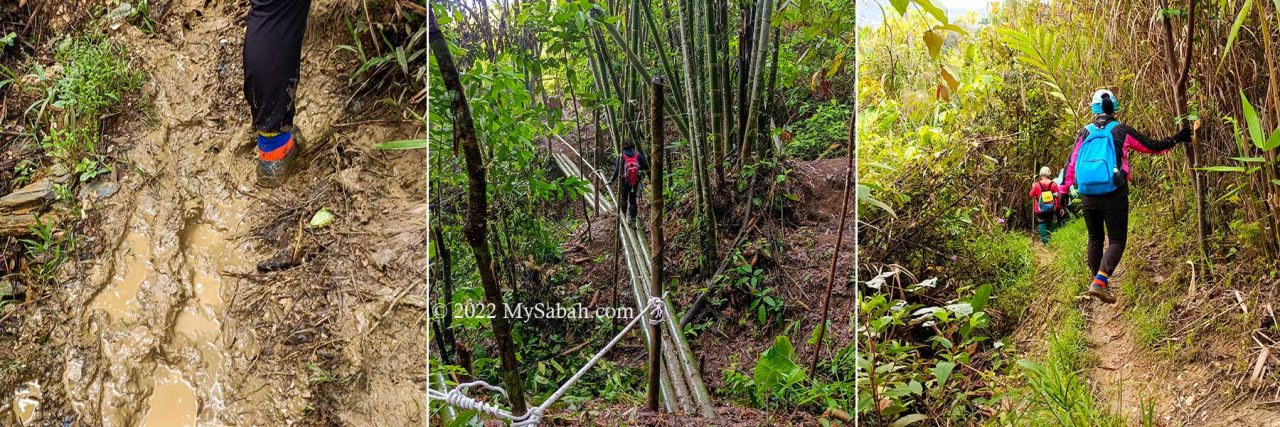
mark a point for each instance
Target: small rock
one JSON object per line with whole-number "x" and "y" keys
{"x": 34, "y": 193}
{"x": 100, "y": 190}
{"x": 10, "y": 290}
{"x": 349, "y": 179}
{"x": 383, "y": 257}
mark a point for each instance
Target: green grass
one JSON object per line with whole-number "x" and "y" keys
{"x": 96, "y": 77}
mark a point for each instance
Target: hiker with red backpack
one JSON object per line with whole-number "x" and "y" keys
{"x": 1045, "y": 203}
{"x": 629, "y": 166}
{"x": 1099, "y": 169}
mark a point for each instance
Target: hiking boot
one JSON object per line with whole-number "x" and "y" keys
{"x": 275, "y": 166}
{"x": 1102, "y": 293}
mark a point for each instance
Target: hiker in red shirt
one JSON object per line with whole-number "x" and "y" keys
{"x": 630, "y": 166}
{"x": 1044, "y": 196}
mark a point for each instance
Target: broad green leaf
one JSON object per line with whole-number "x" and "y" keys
{"x": 907, "y": 420}
{"x": 980, "y": 297}
{"x": 1275, "y": 181}
{"x": 1272, "y": 142}
{"x": 1251, "y": 118}
{"x": 937, "y": 13}
{"x": 956, "y": 28}
{"x": 943, "y": 371}
{"x": 900, "y": 5}
{"x": 934, "y": 42}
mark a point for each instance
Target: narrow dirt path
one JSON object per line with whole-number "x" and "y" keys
{"x": 1123, "y": 376}
{"x": 1129, "y": 379}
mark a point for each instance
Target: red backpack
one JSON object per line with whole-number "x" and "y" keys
{"x": 631, "y": 165}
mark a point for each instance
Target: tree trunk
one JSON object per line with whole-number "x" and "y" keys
{"x": 476, "y": 227}
{"x": 1180, "y": 95}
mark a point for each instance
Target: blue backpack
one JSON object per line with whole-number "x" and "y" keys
{"x": 1096, "y": 162}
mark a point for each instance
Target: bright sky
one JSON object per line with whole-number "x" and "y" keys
{"x": 869, "y": 10}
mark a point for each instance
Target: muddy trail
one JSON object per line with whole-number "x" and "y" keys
{"x": 1130, "y": 380}
{"x": 170, "y": 323}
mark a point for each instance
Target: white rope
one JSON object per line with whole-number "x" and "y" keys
{"x": 655, "y": 310}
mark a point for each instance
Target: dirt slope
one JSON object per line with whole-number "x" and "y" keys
{"x": 170, "y": 324}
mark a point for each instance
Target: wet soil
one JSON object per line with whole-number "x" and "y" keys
{"x": 168, "y": 323}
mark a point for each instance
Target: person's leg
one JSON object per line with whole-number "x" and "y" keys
{"x": 624, "y": 203}
{"x": 272, "y": 58}
{"x": 633, "y": 206}
{"x": 1093, "y": 223}
{"x": 1117, "y": 219}
{"x": 1043, "y": 226}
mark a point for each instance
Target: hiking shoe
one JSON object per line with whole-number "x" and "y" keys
{"x": 1102, "y": 293}
{"x": 277, "y": 157}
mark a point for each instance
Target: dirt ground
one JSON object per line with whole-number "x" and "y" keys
{"x": 164, "y": 319}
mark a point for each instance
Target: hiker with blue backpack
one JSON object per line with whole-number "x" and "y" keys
{"x": 1099, "y": 169}
{"x": 629, "y": 166}
{"x": 1045, "y": 203}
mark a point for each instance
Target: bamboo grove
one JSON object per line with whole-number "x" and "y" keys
{"x": 743, "y": 78}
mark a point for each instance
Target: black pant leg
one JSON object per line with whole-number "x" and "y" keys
{"x": 1117, "y": 219}
{"x": 272, "y": 59}
{"x": 1094, "y": 219}
{"x": 632, "y": 205}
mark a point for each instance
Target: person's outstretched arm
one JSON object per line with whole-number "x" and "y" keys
{"x": 1137, "y": 141}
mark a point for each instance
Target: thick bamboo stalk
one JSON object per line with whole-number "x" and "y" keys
{"x": 761, "y": 45}
{"x": 655, "y": 214}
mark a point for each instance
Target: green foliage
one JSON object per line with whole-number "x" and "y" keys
{"x": 96, "y": 76}
{"x": 822, "y": 134}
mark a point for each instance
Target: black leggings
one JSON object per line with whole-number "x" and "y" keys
{"x": 272, "y": 55}
{"x": 628, "y": 203}
{"x": 1109, "y": 214}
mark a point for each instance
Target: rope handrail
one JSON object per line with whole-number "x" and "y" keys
{"x": 655, "y": 311}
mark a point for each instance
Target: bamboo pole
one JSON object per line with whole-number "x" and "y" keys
{"x": 655, "y": 214}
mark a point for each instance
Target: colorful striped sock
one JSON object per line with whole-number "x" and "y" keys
{"x": 274, "y": 145}
{"x": 1101, "y": 279}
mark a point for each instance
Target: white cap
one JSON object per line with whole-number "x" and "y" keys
{"x": 1097, "y": 97}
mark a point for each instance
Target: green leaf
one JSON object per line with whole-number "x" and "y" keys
{"x": 943, "y": 371}
{"x": 1275, "y": 181}
{"x": 403, "y": 144}
{"x": 937, "y": 13}
{"x": 1249, "y": 159}
{"x": 900, "y": 5}
{"x": 1272, "y": 142}
{"x": 864, "y": 196}
{"x": 907, "y": 420}
{"x": 1222, "y": 168}
{"x": 320, "y": 219}
{"x": 1255, "y": 126}
{"x": 776, "y": 366}
{"x": 980, "y": 297}
{"x": 934, "y": 42}
{"x": 1235, "y": 31}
